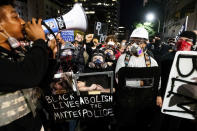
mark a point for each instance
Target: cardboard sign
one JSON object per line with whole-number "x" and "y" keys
{"x": 67, "y": 35}
{"x": 100, "y": 30}
{"x": 181, "y": 93}
{"x": 92, "y": 98}
{"x": 72, "y": 106}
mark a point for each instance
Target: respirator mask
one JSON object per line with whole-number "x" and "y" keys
{"x": 134, "y": 49}
{"x": 109, "y": 54}
{"x": 98, "y": 62}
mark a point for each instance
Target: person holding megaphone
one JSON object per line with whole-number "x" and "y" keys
{"x": 19, "y": 74}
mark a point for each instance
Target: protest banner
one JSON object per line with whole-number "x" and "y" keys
{"x": 87, "y": 104}
{"x": 67, "y": 35}
{"x": 100, "y": 31}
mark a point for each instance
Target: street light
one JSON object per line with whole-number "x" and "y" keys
{"x": 150, "y": 17}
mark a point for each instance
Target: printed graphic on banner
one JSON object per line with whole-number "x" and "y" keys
{"x": 181, "y": 93}
{"x": 71, "y": 106}
{"x": 62, "y": 83}
{"x": 60, "y": 23}
{"x": 52, "y": 25}
{"x": 67, "y": 35}
{"x": 101, "y": 30}
{"x": 67, "y": 103}
{"x": 97, "y": 82}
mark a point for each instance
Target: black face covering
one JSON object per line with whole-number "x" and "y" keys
{"x": 157, "y": 42}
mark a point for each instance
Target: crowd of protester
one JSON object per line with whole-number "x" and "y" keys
{"x": 28, "y": 66}
{"x": 90, "y": 55}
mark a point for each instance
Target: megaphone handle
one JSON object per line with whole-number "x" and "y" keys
{"x": 48, "y": 28}
{"x": 58, "y": 44}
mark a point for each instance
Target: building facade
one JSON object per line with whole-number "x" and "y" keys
{"x": 44, "y": 9}
{"x": 104, "y": 11}
{"x": 21, "y": 8}
{"x": 176, "y": 12}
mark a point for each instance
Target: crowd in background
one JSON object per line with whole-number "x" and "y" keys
{"x": 89, "y": 55}
{"x": 25, "y": 66}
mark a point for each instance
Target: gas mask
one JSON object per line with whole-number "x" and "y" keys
{"x": 98, "y": 62}
{"x": 109, "y": 54}
{"x": 183, "y": 45}
{"x": 135, "y": 49}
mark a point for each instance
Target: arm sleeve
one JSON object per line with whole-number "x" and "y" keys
{"x": 25, "y": 74}
{"x": 120, "y": 63}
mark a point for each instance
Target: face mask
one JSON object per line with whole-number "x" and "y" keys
{"x": 108, "y": 54}
{"x": 98, "y": 62}
{"x": 13, "y": 42}
{"x": 158, "y": 42}
{"x": 111, "y": 43}
{"x": 67, "y": 53}
{"x": 135, "y": 49}
{"x": 182, "y": 45}
{"x": 123, "y": 43}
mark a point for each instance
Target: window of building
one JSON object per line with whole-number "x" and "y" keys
{"x": 188, "y": 9}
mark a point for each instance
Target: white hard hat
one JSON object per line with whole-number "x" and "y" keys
{"x": 140, "y": 33}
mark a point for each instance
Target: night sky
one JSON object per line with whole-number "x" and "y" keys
{"x": 130, "y": 11}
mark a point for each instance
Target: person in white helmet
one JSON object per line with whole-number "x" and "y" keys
{"x": 133, "y": 110}
{"x": 136, "y": 53}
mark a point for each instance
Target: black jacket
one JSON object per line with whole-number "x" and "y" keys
{"x": 16, "y": 75}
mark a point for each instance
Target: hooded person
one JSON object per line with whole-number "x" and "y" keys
{"x": 98, "y": 61}
{"x": 20, "y": 74}
{"x": 185, "y": 42}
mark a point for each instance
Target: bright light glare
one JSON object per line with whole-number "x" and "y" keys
{"x": 147, "y": 23}
{"x": 150, "y": 17}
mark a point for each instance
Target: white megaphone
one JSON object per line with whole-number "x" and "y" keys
{"x": 74, "y": 19}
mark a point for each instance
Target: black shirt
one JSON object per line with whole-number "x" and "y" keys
{"x": 27, "y": 73}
